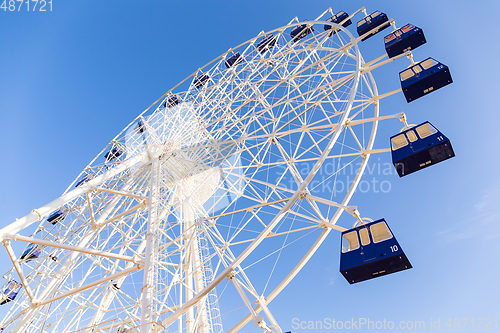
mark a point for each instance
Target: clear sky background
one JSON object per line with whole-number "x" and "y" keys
{"x": 72, "y": 78}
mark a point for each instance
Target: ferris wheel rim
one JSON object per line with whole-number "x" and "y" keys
{"x": 332, "y": 140}
{"x": 298, "y": 192}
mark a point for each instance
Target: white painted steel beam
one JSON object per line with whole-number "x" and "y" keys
{"x": 93, "y": 284}
{"x": 17, "y": 237}
{"x": 18, "y": 269}
{"x": 37, "y": 214}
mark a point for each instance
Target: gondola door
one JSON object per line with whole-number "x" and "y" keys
{"x": 367, "y": 252}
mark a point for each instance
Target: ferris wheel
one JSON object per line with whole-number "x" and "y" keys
{"x": 205, "y": 207}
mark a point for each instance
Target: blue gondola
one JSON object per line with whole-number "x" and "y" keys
{"x": 300, "y": 32}
{"x": 419, "y": 147}
{"x": 172, "y": 101}
{"x": 423, "y": 78}
{"x": 113, "y": 153}
{"x": 139, "y": 129}
{"x": 57, "y": 216}
{"x": 201, "y": 80}
{"x": 233, "y": 60}
{"x": 83, "y": 180}
{"x": 266, "y": 43}
{"x": 10, "y": 291}
{"x": 371, "y": 22}
{"x": 404, "y": 39}
{"x": 369, "y": 251}
{"x": 338, "y": 18}
{"x": 33, "y": 251}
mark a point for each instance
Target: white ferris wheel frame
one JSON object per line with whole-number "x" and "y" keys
{"x": 11, "y": 231}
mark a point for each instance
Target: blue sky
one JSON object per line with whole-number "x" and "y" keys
{"x": 72, "y": 78}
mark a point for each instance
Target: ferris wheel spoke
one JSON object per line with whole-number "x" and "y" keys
{"x": 234, "y": 264}
{"x": 289, "y": 112}
{"x": 283, "y": 284}
{"x": 315, "y": 222}
{"x": 284, "y": 233}
{"x": 355, "y": 122}
{"x": 80, "y": 307}
{"x": 289, "y": 164}
{"x": 227, "y": 253}
{"x": 48, "y": 287}
{"x": 355, "y": 138}
{"x": 241, "y": 272}
{"x": 315, "y": 144}
{"x": 362, "y": 106}
{"x": 376, "y": 63}
{"x": 72, "y": 248}
{"x": 268, "y": 185}
{"x": 296, "y": 174}
{"x": 327, "y": 74}
{"x": 285, "y": 101}
{"x": 364, "y": 80}
{"x": 109, "y": 297}
{"x": 45, "y": 210}
{"x": 333, "y": 85}
{"x": 342, "y": 82}
{"x": 262, "y": 301}
{"x": 119, "y": 216}
{"x": 121, "y": 193}
{"x": 239, "y": 156}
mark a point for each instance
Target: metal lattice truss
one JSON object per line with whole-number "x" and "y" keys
{"x": 217, "y": 200}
